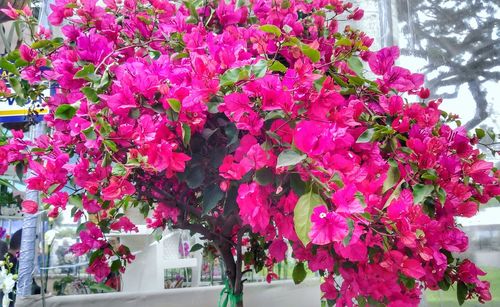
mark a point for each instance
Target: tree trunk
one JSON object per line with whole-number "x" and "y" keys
{"x": 18, "y": 4}
{"x": 233, "y": 273}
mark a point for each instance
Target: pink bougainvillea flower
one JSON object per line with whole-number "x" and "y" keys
{"x": 327, "y": 226}
{"x": 400, "y": 206}
{"x": 91, "y": 205}
{"x": 27, "y": 53}
{"x": 60, "y": 10}
{"x": 29, "y": 206}
{"x": 27, "y": 11}
{"x": 330, "y": 292}
{"x": 312, "y": 137}
{"x": 58, "y": 199}
{"x": 395, "y": 260}
{"x": 382, "y": 61}
{"x": 455, "y": 240}
{"x": 124, "y": 224}
{"x": 99, "y": 268}
{"x": 117, "y": 188}
{"x": 392, "y": 105}
{"x": 91, "y": 238}
{"x": 482, "y": 288}
{"x": 10, "y": 11}
{"x": 322, "y": 260}
{"x": 480, "y": 170}
{"x": 277, "y": 250}
{"x": 402, "y": 79}
{"x": 230, "y": 169}
{"x": 468, "y": 272}
{"x": 161, "y": 214}
{"x": 254, "y": 206}
{"x": 346, "y": 201}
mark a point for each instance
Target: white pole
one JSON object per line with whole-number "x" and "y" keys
{"x": 28, "y": 241}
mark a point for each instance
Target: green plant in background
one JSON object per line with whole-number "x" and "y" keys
{"x": 7, "y": 197}
{"x": 75, "y": 285}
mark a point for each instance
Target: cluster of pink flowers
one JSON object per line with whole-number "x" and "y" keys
{"x": 251, "y": 123}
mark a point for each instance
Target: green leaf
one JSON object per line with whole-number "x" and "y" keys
{"x": 6, "y": 183}
{"x": 289, "y": 157}
{"x": 297, "y": 185}
{"x": 233, "y": 75}
{"x": 339, "y": 80}
{"x": 441, "y": 195}
{"x": 356, "y": 65}
{"x": 318, "y": 83}
{"x": 407, "y": 281}
{"x": 172, "y": 115}
{"x": 395, "y": 193}
{"x": 116, "y": 265}
{"x": 105, "y": 81}
{"x": 302, "y": 215}
{"x": 192, "y": 10}
{"x": 94, "y": 255}
{"x": 101, "y": 288}
{"x": 186, "y": 134}
{"x": 76, "y": 201}
{"x": 292, "y": 41}
{"x": 311, "y": 53}
{"x": 104, "y": 127}
{"x": 52, "y": 188}
{"x": 491, "y": 134}
{"x": 393, "y": 176}
{"x": 232, "y": 134}
{"x": 344, "y": 41}
{"x": 90, "y": 133}
{"x": 259, "y": 69}
{"x": 274, "y": 114}
{"x": 361, "y": 301}
{"x": 271, "y": 29}
{"x": 429, "y": 207}
{"x": 337, "y": 180}
{"x": 174, "y": 104}
{"x": 87, "y": 73}
{"x": 65, "y": 111}
{"x": 264, "y": 176}
{"x": 430, "y": 174}
{"x": 347, "y": 239}
{"x": 196, "y": 247}
{"x": 90, "y": 93}
{"x": 366, "y": 136}
{"x": 16, "y": 86}
{"x": 111, "y": 145}
{"x": 444, "y": 284}
{"x": 119, "y": 170}
{"x": 41, "y": 44}
{"x": 480, "y": 133}
{"x": 157, "y": 234}
{"x": 420, "y": 192}
{"x": 230, "y": 201}
{"x": 212, "y": 195}
{"x": 195, "y": 177}
{"x": 299, "y": 273}
{"x": 356, "y": 81}
{"x": 462, "y": 292}
{"x": 277, "y": 66}
{"x": 8, "y": 66}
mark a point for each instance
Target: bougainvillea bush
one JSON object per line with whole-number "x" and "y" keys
{"x": 251, "y": 123}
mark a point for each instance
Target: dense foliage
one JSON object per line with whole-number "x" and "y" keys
{"x": 252, "y": 124}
